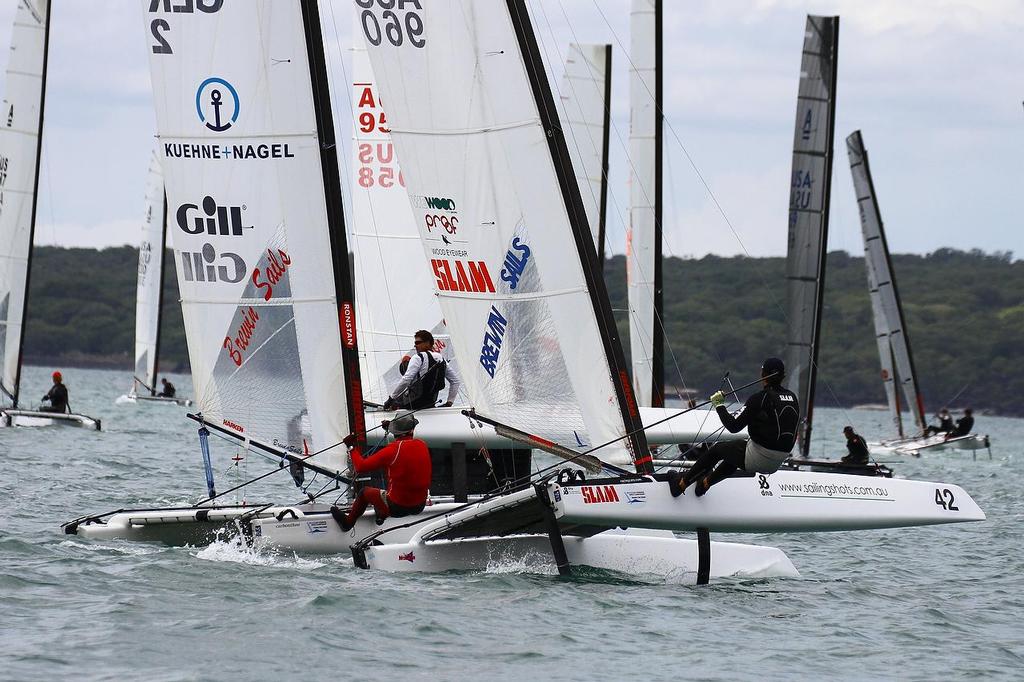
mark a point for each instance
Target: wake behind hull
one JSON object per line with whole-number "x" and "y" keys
{"x": 784, "y": 502}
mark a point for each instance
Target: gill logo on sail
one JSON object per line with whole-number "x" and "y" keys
{"x": 516, "y": 259}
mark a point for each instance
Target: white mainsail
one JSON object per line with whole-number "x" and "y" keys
{"x": 585, "y": 95}
{"x": 21, "y": 122}
{"x": 887, "y": 302}
{"x": 643, "y": 240}
{"x": 394, "y": 290}
{"x": 810, "y": 184}
{"x": 151, "y": 278}
{"x": 884, "y": 348}
{"x": 254, "y": 206}
{"x": 520, "y": 292}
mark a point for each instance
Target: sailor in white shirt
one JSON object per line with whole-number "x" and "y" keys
{"x": 419, "y": 386}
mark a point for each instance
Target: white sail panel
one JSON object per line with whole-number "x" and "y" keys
{"x": 20, "y": 121}
{"x": 884, "y": 349}
{"x": 510, "y": 278}
{"x": 810, "y": 182}
{"x": 150, "y": 279}
{"x": 394, "y": 288}
{"x": 641, "y": 238}
{"x": 583, "y": 104}
{"x": 876, "y": 255}
{"x": 246, "y": 202}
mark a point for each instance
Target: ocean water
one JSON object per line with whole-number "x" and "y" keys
{"x": 944, "y": 602}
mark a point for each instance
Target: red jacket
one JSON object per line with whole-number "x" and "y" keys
{"x": 406, "y": 462}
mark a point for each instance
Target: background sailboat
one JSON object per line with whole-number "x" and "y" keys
{"x": 149, "y": 294}
{"x": 21, "y": 129}
{"x": 897, "y": 361}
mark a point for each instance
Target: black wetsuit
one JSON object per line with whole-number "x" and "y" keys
{"x": 168, "y": 391}
{"x": 771, "y": 417}
{"x": 964, "y": 425}
{"x": 945, "y": 426}
{"x": 857, "y": 449}
{"x": 58, "y": 397}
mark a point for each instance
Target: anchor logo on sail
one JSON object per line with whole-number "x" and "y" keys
{"x": 215, "y": 112}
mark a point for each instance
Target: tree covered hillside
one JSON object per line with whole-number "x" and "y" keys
{"x": 965, "y": 315}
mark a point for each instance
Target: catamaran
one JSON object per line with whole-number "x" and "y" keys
{"x": 149, "y": 297}
{"x": 890, "y": 327}
{"x": 514, "y": 176}
{"x": 540, "y": 353}
{"x": 20, "y": 145}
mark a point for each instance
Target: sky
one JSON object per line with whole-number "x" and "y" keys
{"x": 935, "y": 86}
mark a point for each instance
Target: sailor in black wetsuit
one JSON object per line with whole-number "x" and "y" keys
{"x": 168, "y": 389}
{"x": 57, "y": 396}
{"x": 856, "y": 447}
{"x": 964, "y": 425}
{"x": 771, "y": 417}
{"x": 945, "y": 423}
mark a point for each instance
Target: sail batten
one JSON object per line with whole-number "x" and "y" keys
{"x": 551, "y": 366}
{"x": 258, "y": 235}
{"x": 810, "y": 185}
{"x": 887, "y": 308}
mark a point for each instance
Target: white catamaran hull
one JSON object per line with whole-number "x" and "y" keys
{"x": 12, "y": 417}
{"x": 442, "y": 426}
{"x": 152, "y": 399}
{"x": 636, "y": 553}
{"x": 914, "y": 447}
{"x": 784, "y": 502}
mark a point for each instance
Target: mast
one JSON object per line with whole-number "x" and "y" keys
{"x": 35, "y": 202}
{"x": 605, "y": 130}
{"x": 343, "y": 279}
{"x": 635, "y": 437}
{"x": 810, "y": 191}
{"x": 658, "y": 330}
{"x": 160, "y": 302}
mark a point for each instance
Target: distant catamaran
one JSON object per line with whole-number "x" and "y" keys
{"x": 21, "y": 126}
{"x": 149, "y": 296}
{"x": 898, "y": 369}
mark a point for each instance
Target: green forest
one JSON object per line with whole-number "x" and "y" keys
{"x": 964, "y": 313}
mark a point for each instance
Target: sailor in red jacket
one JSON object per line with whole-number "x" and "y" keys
{"x": 406, "y": 463}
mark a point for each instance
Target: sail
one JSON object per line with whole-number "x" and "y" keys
{"x": 586, "y": 107}
{"x": 150, "y": 281}
{"x": 884, "y": 347}
{"x": 810, "y": 184}
{"x": 254, "y": 210}
{"x": 643, "y": 241}
{"x": 21, "y": 122}
{"x": 876, "y": 256}
{"x": 476, "y": 128}
{"x": 394, "y": 289}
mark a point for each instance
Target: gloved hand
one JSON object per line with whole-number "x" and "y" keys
{"x": 384, "y": 424}
{"x": 390, "y": 404}
{"x": 349, "y": 440}
{"x": 717, "y": 399}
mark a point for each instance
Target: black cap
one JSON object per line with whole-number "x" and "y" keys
{"x": 773, "y": 366}
{"x": 847, "y": 429}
